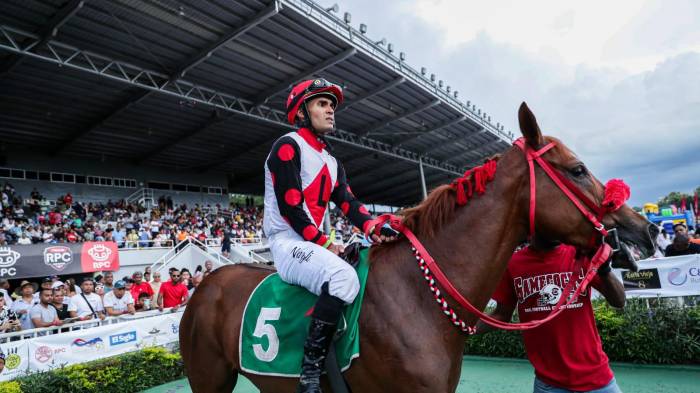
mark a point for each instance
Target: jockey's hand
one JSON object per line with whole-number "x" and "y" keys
{"x": 336, "y": 249}
{"x": 385, "y": 235}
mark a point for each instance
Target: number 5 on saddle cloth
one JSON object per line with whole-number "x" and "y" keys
{"x": 276, "y": 320}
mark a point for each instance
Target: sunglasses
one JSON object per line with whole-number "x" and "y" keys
{"x": 175, "y": 275}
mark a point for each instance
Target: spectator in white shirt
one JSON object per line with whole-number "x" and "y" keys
{"x": 118, "y": 301}
{"x": 86, "y": 305}
{"x": 22, "y": 305}
{"x": 43, "y": 315}
{"x": 24, "y": 240}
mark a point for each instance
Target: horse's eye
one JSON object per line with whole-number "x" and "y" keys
{"x": 578, "y": 171}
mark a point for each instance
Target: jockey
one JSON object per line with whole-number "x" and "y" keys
{"x": 301, "y": 177}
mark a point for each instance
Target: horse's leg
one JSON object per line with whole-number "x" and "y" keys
{"x": 205, "y": 353}
{"x": 206, "y": 367}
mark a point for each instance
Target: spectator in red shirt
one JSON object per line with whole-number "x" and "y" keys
{"x": 566, "y": 352}
{"x": 172, "y": 293}
{"x": 68, "y": 199}
{"x": 72, "y": 237}
{"x": 55, "y": 217}
{"x": 139, "y": 286}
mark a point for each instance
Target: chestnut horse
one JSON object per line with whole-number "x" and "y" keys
{"x": 407, "y": 344}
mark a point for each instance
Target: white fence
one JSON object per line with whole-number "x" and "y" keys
{"x": 47, "y": 348}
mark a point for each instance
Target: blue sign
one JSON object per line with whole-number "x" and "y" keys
{"x": 122, "y": 338}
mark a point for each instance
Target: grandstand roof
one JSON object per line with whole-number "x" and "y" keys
{"x": 201, "y": 87}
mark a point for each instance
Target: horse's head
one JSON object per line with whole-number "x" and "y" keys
{"x": 557, "y": 217}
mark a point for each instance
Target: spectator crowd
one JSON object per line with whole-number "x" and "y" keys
{"x": 55, "y": 302}
{"x": 682, "y": 242}
{"x": 35, "y": 221}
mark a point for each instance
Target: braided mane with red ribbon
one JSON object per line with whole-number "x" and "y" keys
{"x": 481, "y": 175}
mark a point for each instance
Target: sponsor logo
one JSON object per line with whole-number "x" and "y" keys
{"x": 175, "y": 328}
{"x": 154, "y": 331}
{"x": 98, "y": 256}
{"x": 43, "y": 354}
{"x": 677, "y": 276}
{"x": 122, "y": 338}
{"x": 95, "y": 344}
{"x": 58, "y": 257}
{"x": 99, "y": 253}
{"x": 8, "y": 258}
{"x": 12, "y": 359}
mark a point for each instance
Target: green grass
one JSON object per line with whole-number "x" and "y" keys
{"x": 498, "y": 375}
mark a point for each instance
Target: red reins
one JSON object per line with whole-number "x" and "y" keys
{"x": 485, "y": 173}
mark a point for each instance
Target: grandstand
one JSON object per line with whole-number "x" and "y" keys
{"x": 105, "y": 99}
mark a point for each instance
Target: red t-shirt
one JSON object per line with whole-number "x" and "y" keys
{"x": 141, "y": 288}
{"x": 566, "y": 351}
{"x": 173, "y": 294}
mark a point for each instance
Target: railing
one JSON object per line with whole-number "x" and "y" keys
{"x": 80, "y": 325}
{"x": 141, "y": 196}
{"x": 258, "y": 258}
{"x": 172, "y": 253}
{"x": 144, "y": 244}
{"x": 216, "y": 242}
{"x": 165, "y": 258}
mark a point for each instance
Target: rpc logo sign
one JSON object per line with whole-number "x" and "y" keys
{"x": 58, "y": 257}
{"x": 98, "y": 256}
{"x": 8, "y": 258}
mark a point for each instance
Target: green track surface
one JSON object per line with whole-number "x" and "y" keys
{"x": 494, "y": 375}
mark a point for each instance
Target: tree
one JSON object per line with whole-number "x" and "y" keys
{"x": 675, "y": 197}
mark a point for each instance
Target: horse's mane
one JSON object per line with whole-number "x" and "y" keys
{"x": 438, "y": 208}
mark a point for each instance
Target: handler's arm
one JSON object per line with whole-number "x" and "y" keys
{"x": 503, "y": 312}
{"x": 610, "y": 287}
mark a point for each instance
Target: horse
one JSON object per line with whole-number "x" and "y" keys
{"x": 407, "y": 344}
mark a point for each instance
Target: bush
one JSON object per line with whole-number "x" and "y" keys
{"x": 665, "y": 334}
{"x": 132, "y": 372}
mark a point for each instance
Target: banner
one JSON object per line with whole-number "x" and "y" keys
{"x": 81, "y": 346}
{"x": 16, "y": 360}
{"x": 41, "y": 260}
{"x": 663, "y": 277}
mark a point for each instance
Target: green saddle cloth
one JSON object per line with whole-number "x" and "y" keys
{"x": 276, "y": 320}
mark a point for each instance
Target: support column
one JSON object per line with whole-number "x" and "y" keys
{"x": 422, "y": 178}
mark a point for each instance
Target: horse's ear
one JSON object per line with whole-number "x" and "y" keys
{"x": 528, "y": 126}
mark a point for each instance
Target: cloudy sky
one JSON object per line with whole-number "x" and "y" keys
{"x": 618, "y": 81}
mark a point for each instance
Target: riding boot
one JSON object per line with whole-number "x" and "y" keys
{"x": 321, "y": 330}
{"x": 315, "y": 352}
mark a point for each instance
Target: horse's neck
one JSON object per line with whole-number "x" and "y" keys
{"x": 472, "y": 251}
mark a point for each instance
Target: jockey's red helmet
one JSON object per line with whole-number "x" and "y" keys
{"x": 308, "y": 89}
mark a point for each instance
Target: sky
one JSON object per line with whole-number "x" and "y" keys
{"x": 618, "y": 82}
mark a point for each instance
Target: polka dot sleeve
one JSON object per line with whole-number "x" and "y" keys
{"x": 284, "y": 163}
{"x": 343, "y": 197}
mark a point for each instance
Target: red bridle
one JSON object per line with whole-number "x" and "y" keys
{"x": 615, "y": 195}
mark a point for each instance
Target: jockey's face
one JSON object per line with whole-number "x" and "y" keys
{"x": 322, "y": 113}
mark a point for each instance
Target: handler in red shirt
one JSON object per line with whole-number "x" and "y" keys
{"x": 566, "y": 352}
{"x": 172, "y": 293}
{"x": 140, "y": 287}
